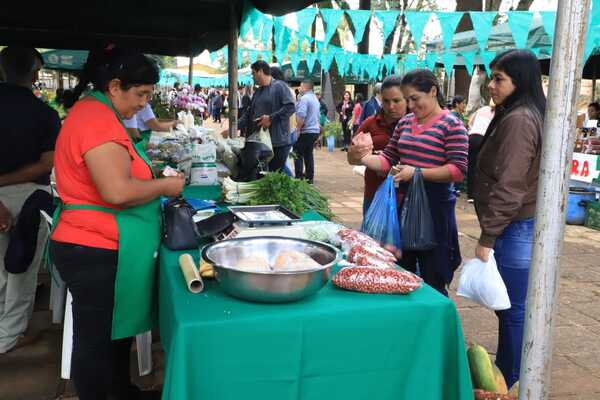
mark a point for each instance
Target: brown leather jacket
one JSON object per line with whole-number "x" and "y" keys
{"x": 507, "y": 172}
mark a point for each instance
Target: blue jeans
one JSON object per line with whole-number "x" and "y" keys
{"x": 513, "y": 252}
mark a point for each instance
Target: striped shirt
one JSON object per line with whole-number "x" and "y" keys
{"x": 441, "y": 141}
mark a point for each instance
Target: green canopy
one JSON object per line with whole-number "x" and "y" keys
{"x": 65, "y": 60}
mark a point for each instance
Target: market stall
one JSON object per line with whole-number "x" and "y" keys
{"x": 333, "y": 344}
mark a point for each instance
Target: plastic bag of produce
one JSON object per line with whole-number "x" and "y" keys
{"x": 381, "y": 221}
{"x": 481, "y": 282}
{"x": 415, "y": 219}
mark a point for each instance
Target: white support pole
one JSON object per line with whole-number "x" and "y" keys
{"x": 234, "y": 32}
{"x": 557, "y": 151}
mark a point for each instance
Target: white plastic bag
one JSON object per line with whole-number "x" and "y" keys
{"x": 481, "y": 282}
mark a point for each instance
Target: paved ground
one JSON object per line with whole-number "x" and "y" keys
{"x": 31, "y": 372}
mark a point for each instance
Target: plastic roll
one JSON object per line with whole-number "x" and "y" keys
{"x": 192, "y": 278}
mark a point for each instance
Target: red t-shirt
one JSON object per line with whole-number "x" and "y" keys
{"x": 381, "y": 133}
{"x": 89, "y": 124}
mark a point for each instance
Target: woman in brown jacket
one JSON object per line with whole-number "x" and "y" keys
{"x": 505, "y": 190}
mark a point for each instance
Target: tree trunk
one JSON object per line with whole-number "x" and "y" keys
{"x": 363, "y": 48}
{"x": 524, "y": 5}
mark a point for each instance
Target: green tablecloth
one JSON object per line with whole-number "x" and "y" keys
{"x": 333, "y": 345}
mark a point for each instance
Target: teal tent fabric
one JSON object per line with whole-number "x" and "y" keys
{"x": 519, "y": 22}
{"x": 359, "y": 19}
{"x": 487, "y": 57}
{"x": 469, "y": 57}
{"x": 430, "y": 59}
{"x": 267, "y": 30}
{"x": 448, "y": 21}
{"x": 449, "y": 58}
{"x": 310, "y": 61}
{"x": 548, "y": 20}
{"x": 537, "y": 52}
{"x": 257, "y": 24}
{"x": 416, "y": 21}
{"x": 305, "y": 18}
{"x": 388, "y": 21}
{"x": 213, "y": 57}
{"x": 331, "y": 18}
{"x": 266, "y": 55}
{"x": 482, "y": 25}
{"x": 240, "y": 57}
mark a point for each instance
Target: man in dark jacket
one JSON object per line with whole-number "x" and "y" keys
{"x": 373, "y": 105}
{"x": 271, "y": 108}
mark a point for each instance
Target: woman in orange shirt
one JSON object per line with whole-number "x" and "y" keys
{"x": 107, "y": 228}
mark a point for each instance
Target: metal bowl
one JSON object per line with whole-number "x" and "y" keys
{"x": 269, "y": 286}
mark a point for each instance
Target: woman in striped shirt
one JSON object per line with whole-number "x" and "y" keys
{"x": 432, "y": 139}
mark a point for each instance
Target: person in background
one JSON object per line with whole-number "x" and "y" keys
{"x": 109, "y": 197}
{"x": 436, "y": 142}
{"x": 175, "y": 91}
{"x": 593, "y": 111}
{"x": 308, "y": 129}
{"x": 478, "y": 124}
{"x": 505, "y": 190}
{"x": 141, "y": 125}
{"x": 373, "y": 105}
{"x": 381, "y": 128}
{"x": 358, "y": 100}
{"x": 271, "y": 108}
{"x": 58, "y": 103}
{"x": 29, "y": 131}
{"x": 217, "y": 107}
{"x": 457, "y": 106}
{"x": 344, "y": 109}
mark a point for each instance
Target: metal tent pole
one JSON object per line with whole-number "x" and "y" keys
{"x": 557, "y": 149}
{"x": 234, "y": 32}
{"x": 191, "y": 68}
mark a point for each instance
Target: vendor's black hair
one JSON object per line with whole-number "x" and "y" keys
{"x": 523, "y": 68}
{"x": 358, "y": 98}
{"x": 18, "y": 63}
{"x": 391, "y": 81}
{"x": 595, "y": 105}
{"x": 263, "y": 66}
{"x": 103, "y": 65}
{"x": 423, "y": 80}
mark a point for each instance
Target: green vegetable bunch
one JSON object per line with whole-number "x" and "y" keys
{"x": 277, "y": 188}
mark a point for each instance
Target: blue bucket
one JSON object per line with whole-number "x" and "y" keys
{"x": 576, "y": 204}
{"x": 330, "y": 143}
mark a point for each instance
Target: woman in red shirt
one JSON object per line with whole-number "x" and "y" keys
{"x": 108, "y": 193}
{"x": 381, "y": 128}
{"x": 356, "y": 111}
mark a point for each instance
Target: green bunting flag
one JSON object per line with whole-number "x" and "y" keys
{"x": 410, "y": 62}
{"x": 519, "y": 23}
{"x": 331, "y": 19}
{"x": 487, "y": 57}
{"x": 267, "y": 30}
{"x": 416, "y": 21}
{"x": 294, "y": 61}
{"x": 388, "y": 21}
{"x": 430, "y": 60}
{"x": 257, "y": 24}
{"x": 469, "y": 57}
{"x": 252, "y": 56}
{"x": 305, "y": 19}
{"x": 213, "y": 57}
{"x": 341, "y": 60}
{"x": 548, "y": 20}
{"x": 448, "y": 21}
{"x": 240, "y": 57}
{"x": 482, "y": 26}
{"x": 359, "y": 19}
{"x": 449, "y": 58}
{"x": 326, "y": 60}
{"x": 310, "y": 61}
{"x": 390, "y": 61}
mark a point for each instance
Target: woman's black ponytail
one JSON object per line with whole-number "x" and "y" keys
{"x": 105, "y": 64}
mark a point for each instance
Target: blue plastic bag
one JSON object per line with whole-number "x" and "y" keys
{"x": 381, "y": 221}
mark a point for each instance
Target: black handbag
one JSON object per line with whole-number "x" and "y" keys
{"x": 180, "y": 231}
{"x": 417, "y": 231}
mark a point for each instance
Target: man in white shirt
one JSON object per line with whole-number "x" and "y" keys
{"x": 144, "y": 122}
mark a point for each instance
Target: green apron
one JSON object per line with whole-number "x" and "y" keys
{"x": 144, "y": 139}
{"x": 139, "y": 240}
